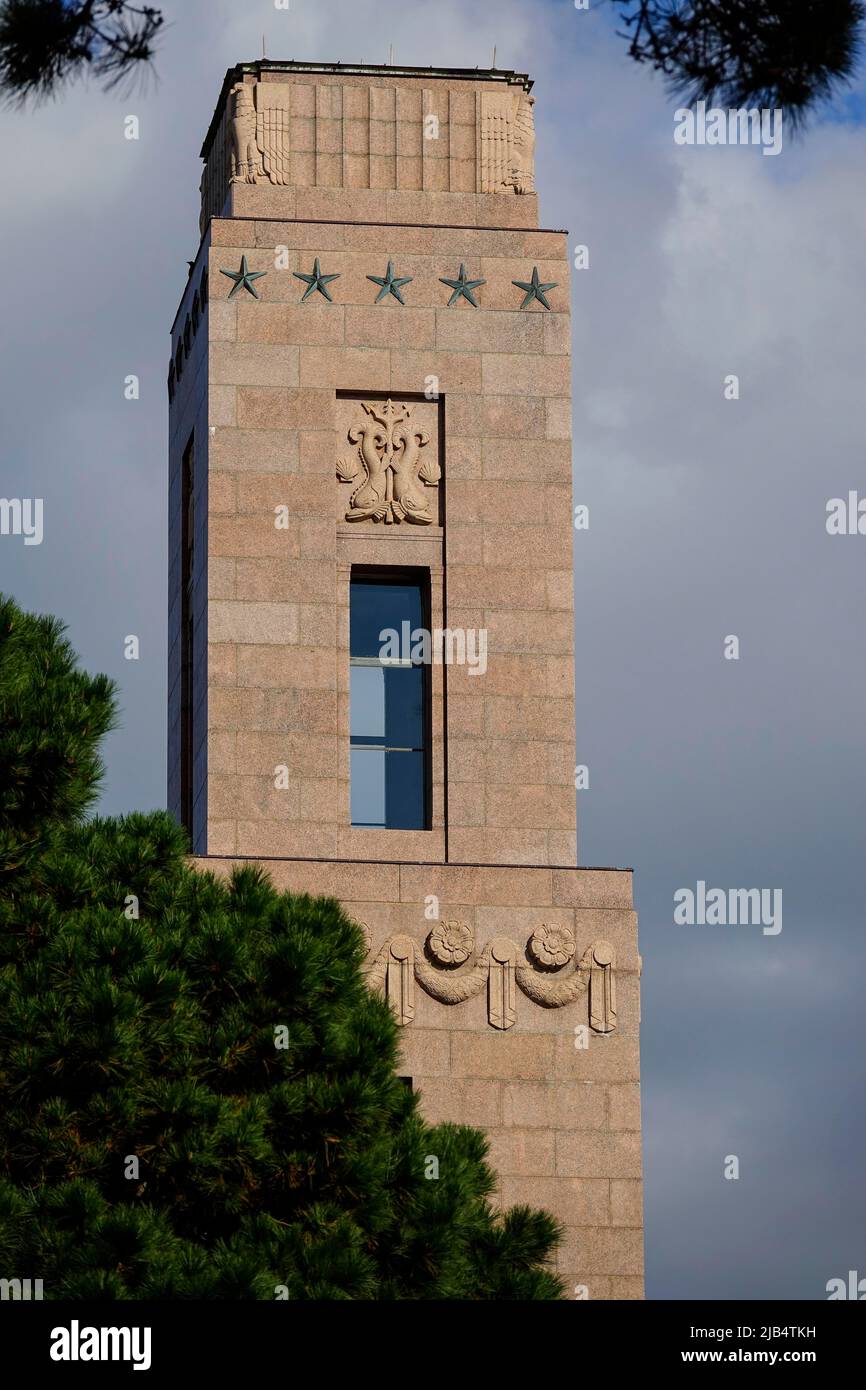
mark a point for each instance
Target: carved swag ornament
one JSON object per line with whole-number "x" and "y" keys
{"x": 451, "y": 970}
{"x": 394, "y": 469}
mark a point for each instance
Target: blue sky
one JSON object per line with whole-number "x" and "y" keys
{"x": 707, "y": 519}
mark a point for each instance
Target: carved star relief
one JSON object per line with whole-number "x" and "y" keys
{"x": 316, "y": 281}
{"x": 534, "y": 289}
{"x": 243, "y": 279}
{"x": 391, "y": 284}
{"x": 462, "y": 287}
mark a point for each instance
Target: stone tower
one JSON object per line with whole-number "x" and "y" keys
{"x": 371, "y": 664}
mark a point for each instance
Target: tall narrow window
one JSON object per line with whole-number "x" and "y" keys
{"x": 187, "y": 632}
{"x": 390, "y": 704}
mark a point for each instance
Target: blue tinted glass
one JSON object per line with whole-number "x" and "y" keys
{"x": 404, "y": 791}
{"x": 388, "y": 789}
{"x": 404, "y": 706}
{"x": 367, "y": 702}
{"x": 368, "y": 786}
{"x": 377, "y": 607}
{"x": 387, "y": 709}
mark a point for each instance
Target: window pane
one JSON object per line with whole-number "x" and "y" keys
{"x": 368, "y": 786}
{"x": 375, "y": 607}
{"x": 388, "y": 714}
{"x": 404, "y": 711}
{"x": 367, "y": 702}
{"x": 404, "y": 791}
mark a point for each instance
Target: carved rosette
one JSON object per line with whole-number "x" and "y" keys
{"x": 451, "y": 971}
{"x": 450, "y": 943}
{"x": 551, "y": 947}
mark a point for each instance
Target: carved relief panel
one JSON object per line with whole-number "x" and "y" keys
{"x": 388, "y": 466}
{"x": 507, "y": 142}
{"x": 259, "y": 133}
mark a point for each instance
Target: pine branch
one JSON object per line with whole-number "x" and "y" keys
{"x": 788, "y": 54}
{"x": 46, "y": 44}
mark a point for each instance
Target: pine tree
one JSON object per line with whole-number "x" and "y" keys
{"x": 198, "y": 1096}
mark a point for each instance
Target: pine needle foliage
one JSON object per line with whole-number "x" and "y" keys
{"x": 140, "y": 1006}
{"x": 770, "y": 54}
{"x": 46, "y": 44}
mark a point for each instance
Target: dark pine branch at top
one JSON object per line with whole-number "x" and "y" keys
{"x": 788, "y": 54}
{"x": 45, "y": 44}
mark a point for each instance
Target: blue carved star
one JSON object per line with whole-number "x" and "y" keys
{"x": 243, "y": 279}
{"x": 534, "y": 289}
{"x": 462, "y": 287}
{"x": 391, "y": 284}
{"x": 316, "y": 281}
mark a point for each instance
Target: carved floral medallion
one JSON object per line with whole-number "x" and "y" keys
{"x": 450, "y": 943}
{"x": 551, "y": 947}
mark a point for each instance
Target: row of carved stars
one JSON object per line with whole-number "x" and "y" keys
{"x": 391, "y": 284}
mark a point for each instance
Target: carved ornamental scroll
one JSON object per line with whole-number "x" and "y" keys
{"x": 451, "y": 971}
